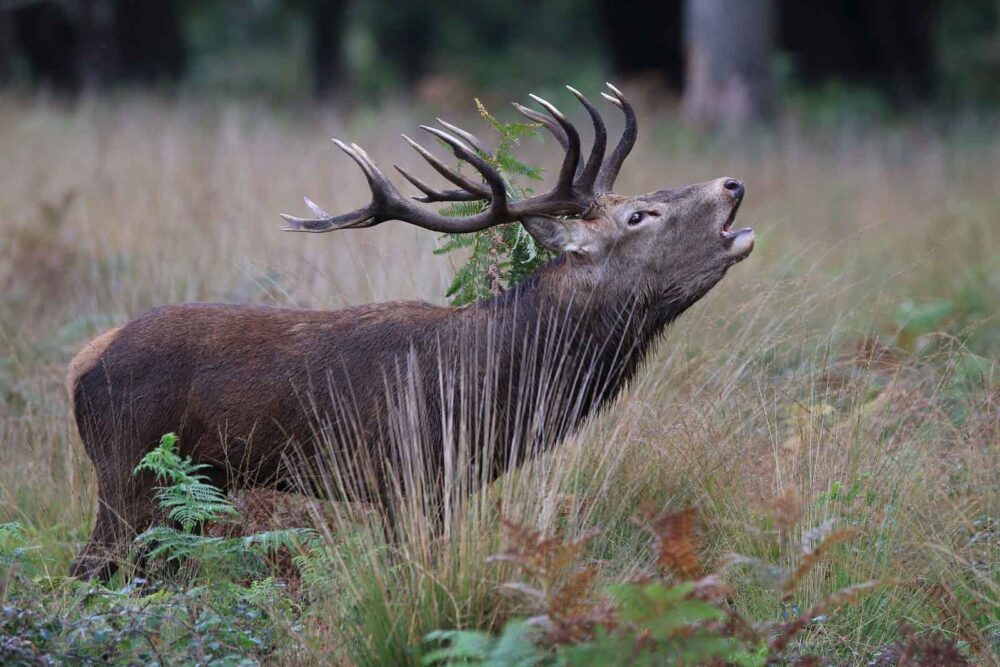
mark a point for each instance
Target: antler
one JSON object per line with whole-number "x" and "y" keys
{"x": 576, "y": 188}
{"x": 609, "y": 168}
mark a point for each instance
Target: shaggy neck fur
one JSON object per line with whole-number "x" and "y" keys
{"x": 559, "y": 360}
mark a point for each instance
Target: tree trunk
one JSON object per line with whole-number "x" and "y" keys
{"x": 406, "y": 40}
{"x": 729, "y": 45}
{"x": 645, "y": 36}
{"x": 98, "y": 48}
{"x": 7, "y": 48}
{"x": 48, "y": 39}
{"x": 150, "y": 44}
{"x": 325, "y": 21}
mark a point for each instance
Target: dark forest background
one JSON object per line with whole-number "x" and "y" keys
{"x": 729, "y": 60}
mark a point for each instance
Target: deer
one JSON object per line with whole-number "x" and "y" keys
{"x": 509, "y": 376}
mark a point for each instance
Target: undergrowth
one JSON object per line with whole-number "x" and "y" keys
{"x": 204, "y": 599}
{"x": 234, "y": 604}
{"x": 678, "y": 614}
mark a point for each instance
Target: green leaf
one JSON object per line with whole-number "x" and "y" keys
{"x": 680, "y": 615}
{"x": 462, "y": 645}
{"x": 605, "y": 649}
{"x": 514, "y": 648}
{"x": 916, "y": 319}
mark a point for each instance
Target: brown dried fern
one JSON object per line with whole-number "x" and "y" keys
{"x": 563, "y": 590}
{"x": 571, "y": 611}
{"x": 674, "y": 541}
{"x": 787, "y": 509}
{"x": 545, "y": 558}
{"x": 913, "y": 650}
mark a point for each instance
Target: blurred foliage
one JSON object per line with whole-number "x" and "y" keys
{"x": 486, "y": 43}
{"x": 964, "y": 313}
{"x": 246, "y": 46}
{"x": 968, "y": 50}
{"x": 435, "y": 47}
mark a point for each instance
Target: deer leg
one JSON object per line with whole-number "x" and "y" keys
{"x": 125, "y": 508}
{"x": 97, "y": 558}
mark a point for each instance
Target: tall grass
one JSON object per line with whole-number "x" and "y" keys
{"x": 847, "y": 371}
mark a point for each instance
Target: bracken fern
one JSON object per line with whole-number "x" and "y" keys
{"x": 190, "y": 500}
{"x": 678, "y": 616}
{"x": 501, "y": 256}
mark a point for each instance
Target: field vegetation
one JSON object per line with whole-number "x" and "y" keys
{"x": 830, "y": 412}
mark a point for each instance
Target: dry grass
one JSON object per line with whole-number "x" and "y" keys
{"x": 792, "y": 380}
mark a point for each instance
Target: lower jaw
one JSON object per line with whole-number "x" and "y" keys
{"x": 739, "y": 243}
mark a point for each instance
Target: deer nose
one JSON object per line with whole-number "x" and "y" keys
{"x": 734, "y": 187}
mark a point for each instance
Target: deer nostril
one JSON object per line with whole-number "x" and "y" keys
{"x": 734, "y": 187}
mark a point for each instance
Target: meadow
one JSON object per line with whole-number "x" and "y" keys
{"x": 844, "y": 378}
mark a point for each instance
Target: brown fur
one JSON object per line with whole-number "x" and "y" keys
{"x": 251, "y": 391}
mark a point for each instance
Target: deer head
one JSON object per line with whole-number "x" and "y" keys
{"x": 672, "y": 245}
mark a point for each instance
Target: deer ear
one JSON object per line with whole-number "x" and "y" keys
{"x": 554, "y": 234}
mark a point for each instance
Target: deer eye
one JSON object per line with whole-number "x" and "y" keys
{"x": 636, "y": 218}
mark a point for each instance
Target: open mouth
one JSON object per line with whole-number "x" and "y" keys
{"x": 740, "y": 241}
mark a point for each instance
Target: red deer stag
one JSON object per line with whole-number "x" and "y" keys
{"x": 246, "y": 386}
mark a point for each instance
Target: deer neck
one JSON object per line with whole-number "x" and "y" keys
{"x": 559, "y": 324}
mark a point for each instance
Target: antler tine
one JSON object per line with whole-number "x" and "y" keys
{"x": 498, "y": 189}
{"x": 572, "y": 159}
{"x": 380, "y": 184}
{"x": 586, "y": 178}
{"x": 542, "y": 119}
{"x": 452, "y": 175}
{"x": 549, "y": 124}
{"x": 388, "y": 204}
{"x": 431, "y": 195}
{"x": 383, "y": 191}
{"x": 470, "y": 191}
{"x": 314, "y": 207}
{"x": 362, "y": 217}
{"x": 609, "y": 169}
{"x": 351, "y": 153}
{"x": 357, "y": 219}
{"x": 469, "y": 138}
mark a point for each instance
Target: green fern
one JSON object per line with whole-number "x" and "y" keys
{"x": 191, "y": 501}
{"x": 658, "y": 625}
{"x": 12, "y": 549}
{"x": 188, "y": 498}
{"x": 515, "y": 647}
{"x": 271, "y": 541}
{"x": 503, "y": 256}
{"x": 171, "y": 544}
{"x": 175, "y": 545}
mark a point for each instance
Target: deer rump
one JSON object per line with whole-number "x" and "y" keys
{"x": 370, "y": 402}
